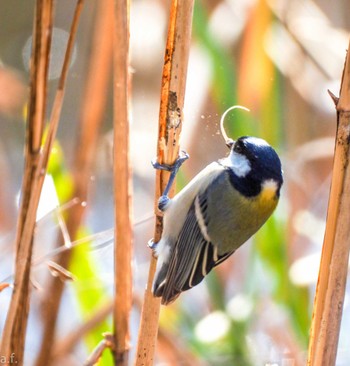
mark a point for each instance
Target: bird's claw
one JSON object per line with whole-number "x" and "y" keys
{"x": 172, "y": 167}
{"x": 164, "y": 199}
{"x": 152, "y": 245}
{"x": 163, "y": 202}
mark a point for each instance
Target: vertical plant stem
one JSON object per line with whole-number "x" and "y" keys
{"x": 330, "y": 290}
{"x": 36, "y": 164}
{"x": 170, "y": 124}
{"x": 39, "y": 69}
{"x": 122, "y": 186}
{"x": 13, "y": 337}
{"x": 91, "y": 117}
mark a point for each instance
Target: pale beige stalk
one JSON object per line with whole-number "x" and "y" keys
{"x": 122, "y": 186}
{"x": 330, "y": 290}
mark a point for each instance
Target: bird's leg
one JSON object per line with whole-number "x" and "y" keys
{"x": 152, "y": 245}
{"x": 164, "y": 199}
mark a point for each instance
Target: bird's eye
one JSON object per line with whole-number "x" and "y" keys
{"x": 238, "y": 148}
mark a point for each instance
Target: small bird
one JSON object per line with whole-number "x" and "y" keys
{"x": 217, "y": 212}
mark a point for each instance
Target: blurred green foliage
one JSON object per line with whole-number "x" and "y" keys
{"x": 270, "y": 246}
{"x": 84, "y": 268}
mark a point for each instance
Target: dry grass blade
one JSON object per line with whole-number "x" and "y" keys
{"x": 107, "y": 342}
{"x": 13, "y": 337}
{"x": 122, "y": 186}
{"x": 4, "y": 285}
{"x": 330, "y": 291}
{"x": 60, "y": 272}
{"x": 90, "y": 121}
{"x": 170, "y": 123}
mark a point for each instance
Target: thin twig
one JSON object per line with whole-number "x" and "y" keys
{"x": 107, "y": 342}
{"x": 90, "y": 121}
{"x": 170, "y": 124}
{"x": 122, "y": 186}
{"x": 330, "y": 290}
{"x": 13, "y": 337}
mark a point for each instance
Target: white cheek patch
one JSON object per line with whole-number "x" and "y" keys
{"x": 239, "y": 164}
{"x": 270, "y": 185}
{"x": 268, "y": 190}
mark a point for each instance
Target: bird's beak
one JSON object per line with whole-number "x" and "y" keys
{"x": 230, "y": 143}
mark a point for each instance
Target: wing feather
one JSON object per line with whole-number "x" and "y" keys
{"x": 204, "y": 241}
{"x": 192, "y": 257}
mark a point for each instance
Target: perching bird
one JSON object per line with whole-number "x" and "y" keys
{"x": 217, "y": 212}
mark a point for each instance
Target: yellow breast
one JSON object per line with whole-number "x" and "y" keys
{"x": 267, "y": 199}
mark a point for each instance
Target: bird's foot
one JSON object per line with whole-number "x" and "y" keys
{"x": 173, "y": 168}
{"x": 164, "y": 199}
{"x": 153, "y": 246}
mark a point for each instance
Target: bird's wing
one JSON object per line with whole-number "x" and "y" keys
{"x": 192, "y": 256}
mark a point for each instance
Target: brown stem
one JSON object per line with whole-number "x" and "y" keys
{"x": 122, "y": 186}
{"x": 170, "y": 123}
{"x": 36, "y": 166}
{"x": 13, "y": 337}
{"x": 38, "y": 72}
{"x": 330, "y": 290}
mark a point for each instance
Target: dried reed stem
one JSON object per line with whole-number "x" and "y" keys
{"x": 330, "y": 290}
{"x": 170, "y": 124}
{"x": 91, "y": 117}
{"x": 39, "y": 70}
{"x": 13, "y": 337}
{"x": 122, "y": 186}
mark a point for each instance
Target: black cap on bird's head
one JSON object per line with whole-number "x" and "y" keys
{"x": 260, "y": 155}
{"x": 253, "y": 161}
{"x": 253, "y": 164}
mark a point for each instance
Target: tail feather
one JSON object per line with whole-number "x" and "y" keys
{"x": 170, "y": 281}
{"x": 160, "y": 281}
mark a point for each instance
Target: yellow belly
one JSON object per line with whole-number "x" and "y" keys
{"x": 267, "y": 199}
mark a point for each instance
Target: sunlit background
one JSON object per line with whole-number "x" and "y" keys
{"x": 278, "y": 58}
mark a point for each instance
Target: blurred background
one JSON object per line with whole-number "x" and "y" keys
{"x": 277, "y": 58}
